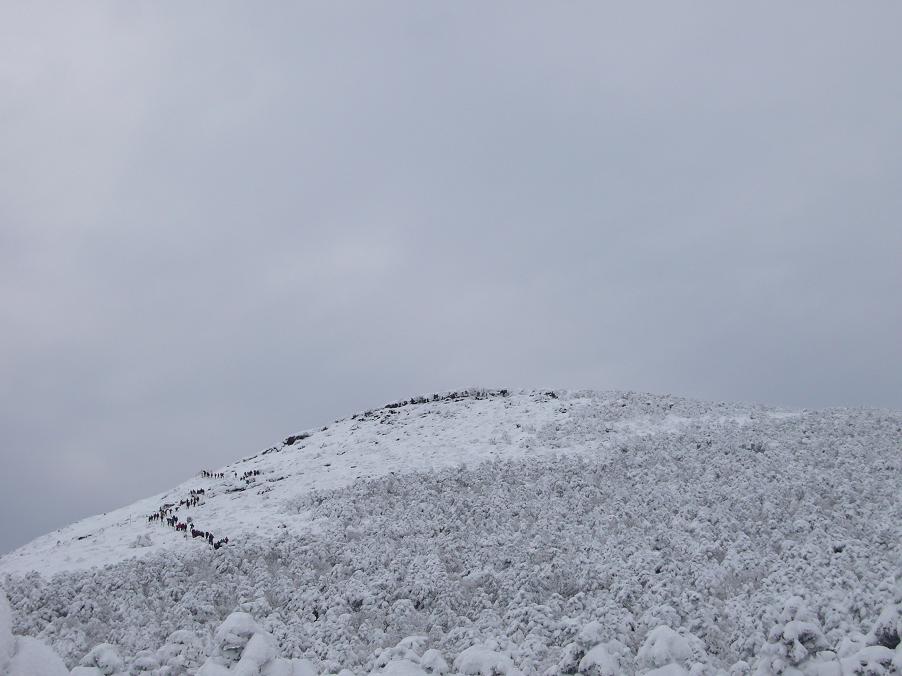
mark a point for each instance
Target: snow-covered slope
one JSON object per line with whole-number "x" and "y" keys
{"x": 446, "y": 430}
{"x": 541, "y": 528}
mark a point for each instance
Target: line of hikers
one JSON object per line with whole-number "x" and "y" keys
{"x": 181, "y": 526}
{"x": 165, "y": 513}
{"x": 213, "y": 542}
{"x": 249, "y": 473}
{"x": 212, "y": 475}
{"x": 162, "y": 514}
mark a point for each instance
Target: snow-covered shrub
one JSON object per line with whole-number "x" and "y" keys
{"x": 740, "y": 668}
{"x": 612, "y": 658}
{"x": 671, "y": 650}
{"x": 409, "y": 648}
{"x": 182, "y": 651}
{"x": 664, "y": 614}
{"x": 795, "y": 640}
{"x": 410, "y": 658}
{"x": 239, "y": 646}
{"x": 433, "y": 662}
{"x": 887, "y": 630}
{"x": 146, "y": 660}
{"x": 851, "y": 644}
{"x": 875, "y": 660}
{"x": 571, "y": 654}
{"x": 589, "y": 654}
{"x": 105, "y": 658}
{"x": 480, "y": 661}
{"x": 242, "y": 648}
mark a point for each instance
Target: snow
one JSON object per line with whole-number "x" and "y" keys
{"x": 214, "y": 669}
{"x": 259, "y": 651}
{"x": 7, "y": 640}
{"x": 416, "y": 437}
{"x": 34, "y": 658}
{"x": 668, "y": 670}
{"x": 664, "y": 646}
{"x": 606, "y": 659}
{"x": 23, "y": 655}
{"x": 401, "y": 667}
{"x": 234, "y": 634}
{"x": 529, "y": 532}
{"x": 434, "y": 662}
{"x": 476, "y": 661}
{"x": 241, "y": 647}
{"x": 887, "y": 629}
{"x": 105, "y": 658}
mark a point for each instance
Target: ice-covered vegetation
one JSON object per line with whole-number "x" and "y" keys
{"x": 595, "y": 535}
{"x": 23, "y": 655}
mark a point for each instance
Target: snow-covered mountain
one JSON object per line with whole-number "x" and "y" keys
{"x": 422, "y": 434}
{"x": 529, "y": 530}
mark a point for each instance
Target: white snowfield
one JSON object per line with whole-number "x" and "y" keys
{"x": 491, "y": 532}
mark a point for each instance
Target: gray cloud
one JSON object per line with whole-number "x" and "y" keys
{"x": 218, "y": 227}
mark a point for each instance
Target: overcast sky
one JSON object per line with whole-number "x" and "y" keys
{"x": 221, "y": 224}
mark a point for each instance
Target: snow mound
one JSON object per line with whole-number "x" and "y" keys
{"x": 35, "y": 658}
